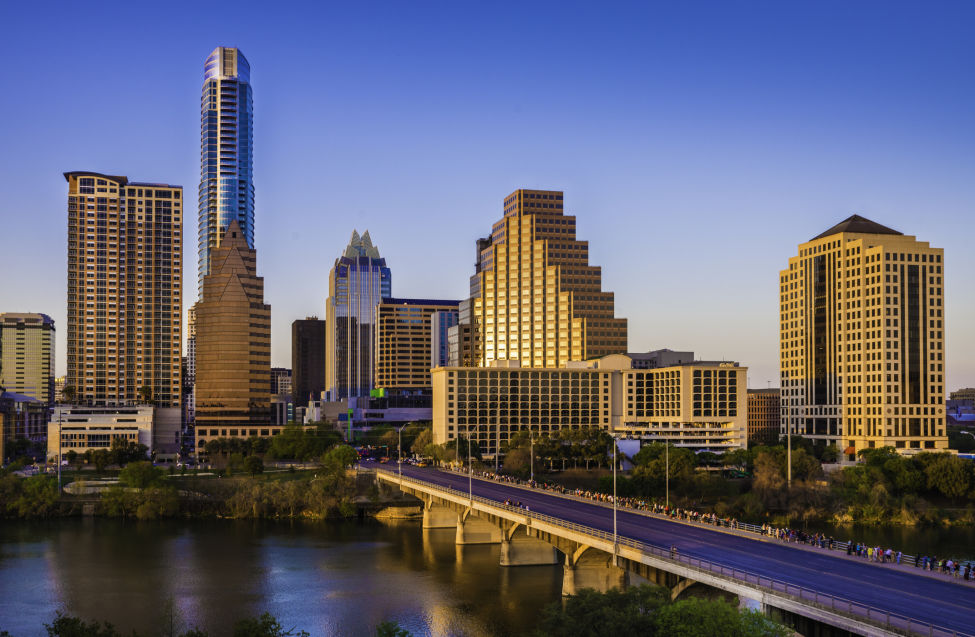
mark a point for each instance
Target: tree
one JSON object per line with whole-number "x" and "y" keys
{"x": 420, "y": 443}
{"x": 68, "y": 394}
{"x": 694, "y": 617}
{"x": 616, "y": 612}
{"x": 145, "y": 395}
{"x": 65, "y": 626}
{"x": 266, "y": 625}
{"x": 139, "y": 475}
{"x": 391, "y": 629}
{"x": 253, "y": 465}
{"x": 340, "y": 457}
{"x": 949, "y": 475}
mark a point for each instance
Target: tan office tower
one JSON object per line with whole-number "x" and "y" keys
{"x": 403, "y": 341}
{"x": 539, "y": 300}
{"x": 27, "y": 355}
{"x": 862, "y": 340}
{"x": 233, "y": 345}
{"x": 125, "y": 290}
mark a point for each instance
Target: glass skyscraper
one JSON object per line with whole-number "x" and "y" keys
{"x": 356, "y": 284}
{"x": 226, "y": 152}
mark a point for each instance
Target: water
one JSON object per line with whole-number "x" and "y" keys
{"x": 326, "y": 578}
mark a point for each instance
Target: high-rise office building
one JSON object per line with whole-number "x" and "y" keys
{"x": 539, "y": 301}
{"x": 403, "y": 343}
{"x": 440, "y": 324}
{"x": 359, "y": 280}
{"x": 125, "y": 290}
{"x": 308, "y": 360}
{"x": 226, "y": 153}
{"x": 763, "y": 415}
{"x": 233, "y": 345}
{"x": 862, "y": 340}
{"x": 281, "y": 384}
{"x": 27, "y": 355}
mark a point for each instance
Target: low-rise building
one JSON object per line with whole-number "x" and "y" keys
{"x": 764, "y": 417}
{"x": 21, "y": 418}
{"x": 83, "y": 428}
{"x": 699, "y": 405}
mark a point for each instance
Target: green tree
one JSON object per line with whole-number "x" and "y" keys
{"x": 145, "y": 395}
{"x": 695, "y": 617}
{"x": 65, "y": 626}
{"x": 423, "y": 439}
{"x": 391, "y": 629}
{"x": 253, "y": 465}
{"x": 139, "y": 475}
{"x": 948, "y": 475}
{"x": 266, "y": 625}
{"x": 612, "y": 614}
{"x": 340, "y": 457}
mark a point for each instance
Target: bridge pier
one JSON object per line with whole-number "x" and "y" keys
{"x": 521, "y": 549}
{"x": 473, "y": 530}
{"x": 437, "y": 517}
{"x": 590, "y": 568}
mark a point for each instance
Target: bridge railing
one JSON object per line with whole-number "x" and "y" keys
{"x": 889, "y": 620}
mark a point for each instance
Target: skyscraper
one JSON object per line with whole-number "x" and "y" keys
{"x": 440, "y": 324}
{"x": 226, "y": 153}
{"x": 358, "y": 281}
{"x": 27, "y": 355}
{"x": 404, "y": 342}
{"x": 233, "y": 345}
{"x": 539, "y": 301}
{"x": 125, "y": 290}
{"x": 862, "y": 340}
{"x": 307, "y": 359}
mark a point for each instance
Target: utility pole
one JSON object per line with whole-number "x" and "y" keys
{"x": 59, "y": 453}
{"x": 399, "y": 461}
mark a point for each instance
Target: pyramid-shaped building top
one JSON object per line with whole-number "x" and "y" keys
{"x": 858, "y": 225}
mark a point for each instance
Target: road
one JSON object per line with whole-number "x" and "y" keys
{"x": 942, "y": 603}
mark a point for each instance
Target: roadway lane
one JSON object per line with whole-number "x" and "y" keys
{"x": 942, "y": 603}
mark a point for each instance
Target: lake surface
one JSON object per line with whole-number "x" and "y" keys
{"x": 340, "y": 578}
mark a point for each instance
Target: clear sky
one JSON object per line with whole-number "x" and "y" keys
{"x": 698, "y": 143}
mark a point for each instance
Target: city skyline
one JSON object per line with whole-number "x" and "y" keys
{"x": 724, "y": 176}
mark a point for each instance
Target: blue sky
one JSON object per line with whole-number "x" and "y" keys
{"x": 697, "y": 143}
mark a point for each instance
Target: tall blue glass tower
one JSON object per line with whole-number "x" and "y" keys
{"x": 226, "y": 152}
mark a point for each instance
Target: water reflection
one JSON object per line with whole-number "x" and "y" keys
{"x": 328, "y": 579}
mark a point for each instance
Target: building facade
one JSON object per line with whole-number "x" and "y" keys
{"x": 862, "y": 340}
{"x": 403, "y": 343}
{"x": 764, "y": 417}
{"x": 440, "y": 324}
{"x": 308, "y": 359}
{"x": 281, "y": 381}
{"x": 660, "y": 358}
{"x": 84, "y": 429}
{"x": 21, "y": 418}
{"x": 540, "y": 301}
{"x": 226, "y": 153}
{"x": 359, "y": 280}
{"x": 699, "y": 405}
{"x": 27, "y": 355}
{"x": 125, "y": 290}
{"x": 233, "y": 345}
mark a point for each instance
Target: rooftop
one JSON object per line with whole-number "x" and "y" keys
{"x": 857, "y": 225}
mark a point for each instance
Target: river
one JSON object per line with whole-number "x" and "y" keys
{"x": 329, "y": 578}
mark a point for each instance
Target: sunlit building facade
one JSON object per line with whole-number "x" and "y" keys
{"x": 27, "y": 355}
{"x": 699, "y": 405}
{"x": 125, "y": 290}
{"x": 404, "y": 339}
{"x": 763, "y": 415}
{"x": 233, "y": 346}
{"x": 359, "y": 280}
{"x": 862, "y": 340}
{"x": 539, "y": 301}
{"x": 226, "y": 153}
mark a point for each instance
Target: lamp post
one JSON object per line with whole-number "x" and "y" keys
{"x": 788, "y": 454}
{"x": 470, "y": 470}
{"x": 667, "y": 471}
{"x": 497, "y": 446}
{"x": 59, "y": 453}
{"x": 615, "y": 544}
{"x": 399, "y": 460}
{"x": 532, "y": 455}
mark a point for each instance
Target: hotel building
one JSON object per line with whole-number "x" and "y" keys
{"x": 125, "y": 290}
{"x": 862, "y": 340}
{"x": 538, "y": 300}
{"x": 699, "y": 405}
{"x": 226, "y": 153}
{"x": 27, "y": 355}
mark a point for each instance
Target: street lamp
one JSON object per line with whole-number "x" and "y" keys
{"x": 59, "y": 453}
{"x": 399, "y": 460}
{"x": 531, "y": 436}
{"x": 470, "y": 470}
{"x": 667, "y": 472}
{"x": 615, "y": 544}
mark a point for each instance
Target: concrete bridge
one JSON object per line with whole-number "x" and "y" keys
{"x": 592, "y": 559}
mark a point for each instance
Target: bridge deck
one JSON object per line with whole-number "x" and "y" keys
{"x": 942, "y": 603}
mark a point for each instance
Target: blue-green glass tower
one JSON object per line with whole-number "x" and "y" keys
{"x": 226, "y": 152}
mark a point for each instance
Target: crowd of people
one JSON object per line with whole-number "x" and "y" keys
{"x": 961, "y": 570}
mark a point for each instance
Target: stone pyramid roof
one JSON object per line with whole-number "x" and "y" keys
{"x": 858, "y": 225}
